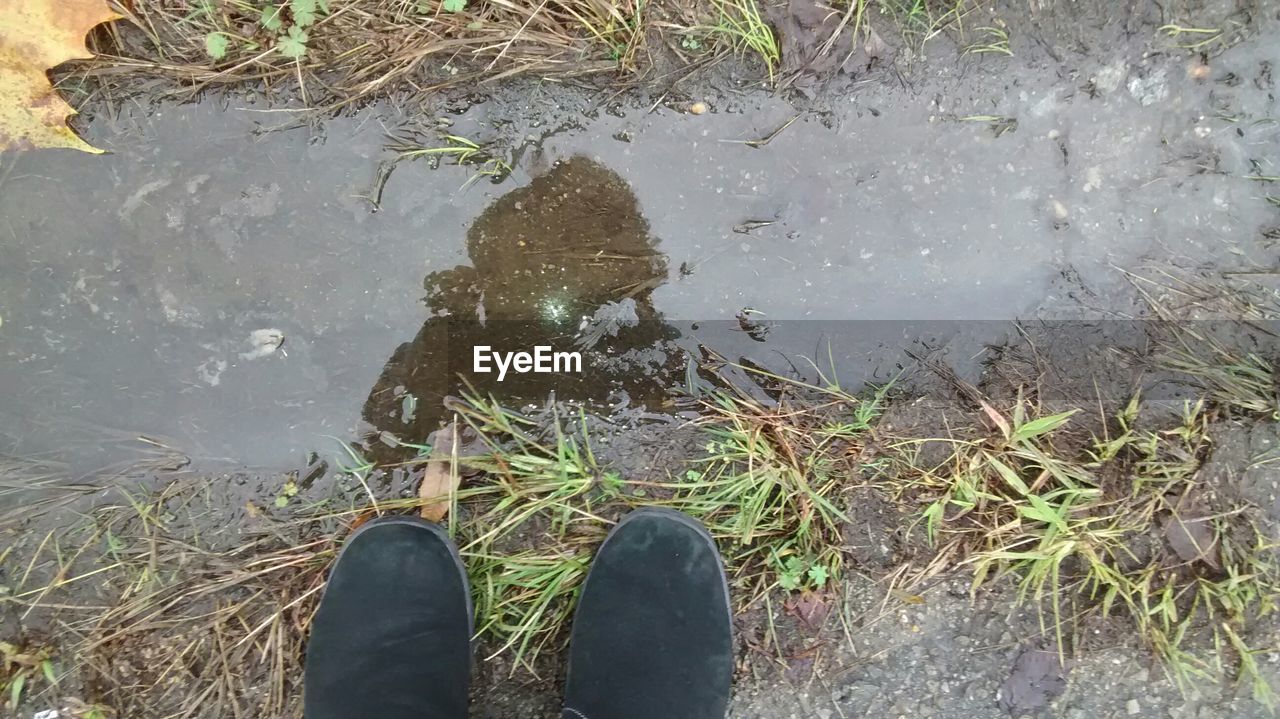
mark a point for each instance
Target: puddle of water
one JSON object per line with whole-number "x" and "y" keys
{"x": 230, "y": 292}
{"x": 569, "y": 246}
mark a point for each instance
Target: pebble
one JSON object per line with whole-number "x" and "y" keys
{"x": 1132, "y": 707}
{"x": 698, "y": 108}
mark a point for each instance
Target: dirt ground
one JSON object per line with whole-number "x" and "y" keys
{"x": 240, "y": 291}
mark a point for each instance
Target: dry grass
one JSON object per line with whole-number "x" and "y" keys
{"x": 339, "y": 52}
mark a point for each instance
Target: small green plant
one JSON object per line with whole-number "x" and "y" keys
{"x": 293, "y": 43}
{"x": 453, "y": 5}
{"x": 797, "y": 573}
{"x": 287, "y": 492}
{"x": 284, "y": 24}
{"x": 994, "y": 40}
{"x": 216, "y": 44}
{"x": 19, "y": 668}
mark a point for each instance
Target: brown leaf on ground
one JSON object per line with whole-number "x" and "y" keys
{"x": 36, "y": 36}
{"x": 439, "y": 480}
{"x": 1037, "y": 677}
{"x": 1192, "y": 539}
{"x": 997, "y": 418}
{"x": 811, "y": 608}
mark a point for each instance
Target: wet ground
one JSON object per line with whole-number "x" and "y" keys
{"x": 233, "y": 291}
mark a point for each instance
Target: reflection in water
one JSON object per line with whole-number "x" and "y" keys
{"x": 566, "y": 261}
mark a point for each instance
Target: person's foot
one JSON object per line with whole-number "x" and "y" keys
{"x": 651, "y": 634}
{"x": 392, "y": 637}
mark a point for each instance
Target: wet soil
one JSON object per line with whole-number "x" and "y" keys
{"x": 231, "y": 291}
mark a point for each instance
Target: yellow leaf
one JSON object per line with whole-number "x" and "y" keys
{"x": 36, "y": 36}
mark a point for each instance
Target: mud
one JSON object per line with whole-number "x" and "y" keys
{"x": 134, "y": 284}
{"x": 230, "y": 291}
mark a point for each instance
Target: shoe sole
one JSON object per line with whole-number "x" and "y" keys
{"x": 443, "y": 536}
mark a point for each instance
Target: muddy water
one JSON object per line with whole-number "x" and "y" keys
{"x": 231, "y": 293}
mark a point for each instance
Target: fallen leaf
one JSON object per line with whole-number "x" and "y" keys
{"x": 809, "y": 607}
{"x": 36, "y": 36}
{"x": 1037, "y": 677}
{"x": 439, "y": 480}
{"x": 1192, "y": 540}
{"x": 363, "y": 517}
{"x": 996, "y": 417}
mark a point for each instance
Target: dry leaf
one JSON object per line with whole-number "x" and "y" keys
{"x": 809, "y": 607}
{"x": 361, "y": 518}
{"x": 1192, "y": 540}
{"x": 996, "y": 417}
{"x": 36, "y": 36}
{"x": 439, "y": 480}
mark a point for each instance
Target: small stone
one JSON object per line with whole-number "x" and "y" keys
{"x": 1132, "y": 708}
{"x": 698, "y": 108}
{"x": 1059, "y": 209}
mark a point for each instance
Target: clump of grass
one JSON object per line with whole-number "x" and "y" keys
{"x": 772, "y": 484}
{"x": 993, "y": 40}
{"x": 618, "y": 26}
{"x": 1087, "y": 530}
{"x": 1216, "y": 338}
{"x": 742, "y": 25}
{"x": 920, "y": 21}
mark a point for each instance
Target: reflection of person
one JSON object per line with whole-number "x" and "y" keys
{"x": 570, "y": 245}
{"x": 651, "y": 639}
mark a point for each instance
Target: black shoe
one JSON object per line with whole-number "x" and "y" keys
{"x": 392, "y": 637}
{"x": 651, "y": 634}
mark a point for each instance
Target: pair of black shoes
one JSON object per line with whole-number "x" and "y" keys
{"x": 651, "y": 634}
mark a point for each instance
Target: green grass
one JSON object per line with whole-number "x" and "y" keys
{"x": 991, "y": 41}
{"x": 619, "y": 27}
{"x": 1075, "y": 529}
{"x": 741, "y": 25}
{"x": 920, "y": 21}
